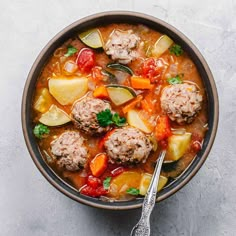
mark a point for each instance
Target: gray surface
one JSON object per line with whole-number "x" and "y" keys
{"x": 29, "y": 205}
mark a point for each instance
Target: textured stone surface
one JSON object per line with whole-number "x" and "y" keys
{"x": 29, "y": 205}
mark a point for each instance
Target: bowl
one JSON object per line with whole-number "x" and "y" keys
{"x": 93, "y": 21}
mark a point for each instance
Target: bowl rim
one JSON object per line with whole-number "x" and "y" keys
{"x": 129, "y": 204}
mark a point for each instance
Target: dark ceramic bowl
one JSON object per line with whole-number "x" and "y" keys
{"x": 93, "y": 21}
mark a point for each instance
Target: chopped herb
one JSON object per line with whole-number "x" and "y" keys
{"x": 106, "y": 118}
{"x": 40, "y": 130}
{"x": 70, "y": 51}
{"x": 177, "y": 50}
{"x": 133, "y": 191}
{"x": 175, "y": 80}
{"x": 117, "y": 120}
{"x": 106, "y": 182}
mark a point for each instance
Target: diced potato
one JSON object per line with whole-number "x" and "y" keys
{"x": 135, "y": 120}
{"x": 124, "y": 181}
{"x": 43, "y": 100}
{"x": 54, "y": 116}
{"x": 177, "y": 146}
{"x": 145, "y": 182}
{"x": 161, "y": 45}
{"x": 66, "y": 91}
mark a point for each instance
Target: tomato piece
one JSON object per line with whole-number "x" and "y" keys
{"x": 117, "y": 171}
{"x": 93, "y": 182}
{"x": 163, "y": 143}
{"x": 163, "y": 130}
{"x": 97, "y": 74}
{"x": 93, "y": 192}
{"x": 85, "y": 59}
{"x": 151, "y": 70}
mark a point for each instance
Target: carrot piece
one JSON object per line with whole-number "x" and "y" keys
{"x": 140, "y": 83}
{"x": 99, "y": 164}
{"x": 163, "y": 130}
{"x": 101, "y": 92}
{"x": 132, "y": 104}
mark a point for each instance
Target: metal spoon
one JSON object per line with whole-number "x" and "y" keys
{"x": 142, "y": 228}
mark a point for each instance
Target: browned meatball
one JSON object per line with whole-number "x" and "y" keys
{"x": 181, "y": 102}
{"x": 84, "y": 114}
{"x": 121, "y": 46}
{"x": 69, "y": 148}
{"x": 128, "y": 146}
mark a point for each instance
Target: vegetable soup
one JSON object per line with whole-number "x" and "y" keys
{"x": 109, "y": 100}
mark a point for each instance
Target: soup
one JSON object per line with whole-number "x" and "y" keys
{"x": 109, "y": 100}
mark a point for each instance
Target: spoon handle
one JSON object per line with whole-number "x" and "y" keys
{"x": 142, "y": 228}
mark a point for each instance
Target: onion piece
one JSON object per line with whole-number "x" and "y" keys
{"x": 179, "y": 131}
{"x": 70, "y": 67}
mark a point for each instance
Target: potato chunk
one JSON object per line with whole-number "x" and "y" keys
{"x": 177, "y": 146}
{"x": 66, "y": 91}
{"x": 43, "y": 100}
{"x": 145, "y": 182}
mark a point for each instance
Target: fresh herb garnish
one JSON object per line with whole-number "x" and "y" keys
{"x": 40, "y": 130}
{"x": 106, "y": 183}
{"x": 133, "y": 191}
{"x": 70, "y": 51}
{"x": 177, "y": 50}
{"x": 117, "y": 120}
{"x": 106, "y": 118}
{"x": 175, "y": 80}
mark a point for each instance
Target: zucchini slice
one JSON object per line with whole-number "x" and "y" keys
{"x": 120, "y": 94}
{"x": 54, "y": 117}
{"x": 120, "y": 67}
{"x": 92, "y": 38}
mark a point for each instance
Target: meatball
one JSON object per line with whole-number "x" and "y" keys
{"x": 84, "y": 114}
{"x": 70, "y": 150}
{"x": 128, "y": 146}
{"x": 181, "y": 102}
{"x": 120, "y": 46}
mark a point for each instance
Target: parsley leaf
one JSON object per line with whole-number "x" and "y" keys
{"x": 40, "y": 130}
{"x": 133, "y": 191}
{"x": 176, "y": 49}
{"x": 70, "y": 51}
{"x": 175, "y": 80}
{"x": 117, "y": 120}
{"x": 106, "y": 182}
{"x": 106, "y": 118}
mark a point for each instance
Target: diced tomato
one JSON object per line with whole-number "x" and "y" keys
{"x": 163, "y": 144}
{"x": 93, "y": 181}
{"x": 104, "y": 139}
{"x": 162, "y": 130}
{"x": 97, "y": 74}
{"x": 85, "y": 60}
{"x": 93, "y": 192}
{"x": 151, "y": 70}
{"x": 117, "y": 171}
{"x": 196, "y": 144}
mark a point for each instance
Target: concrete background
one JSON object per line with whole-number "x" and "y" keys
{"x": 29, "y": 205}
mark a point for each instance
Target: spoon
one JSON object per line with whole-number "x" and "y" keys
{"x": 142, "y": 228}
